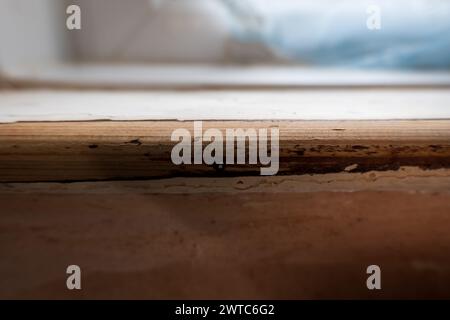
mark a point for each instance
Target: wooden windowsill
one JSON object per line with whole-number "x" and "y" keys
{"x": 127, "y": 150}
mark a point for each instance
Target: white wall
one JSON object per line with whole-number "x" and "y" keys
{"x": 32, "y": 32}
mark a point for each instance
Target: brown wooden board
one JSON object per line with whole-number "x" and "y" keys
{"x": 109, "y": 150}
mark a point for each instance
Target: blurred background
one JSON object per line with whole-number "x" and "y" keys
{"x": 406, "y": 34}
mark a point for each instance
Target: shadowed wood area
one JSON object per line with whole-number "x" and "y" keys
{"x": 270, "y": 244}
{"x": 106, "y": 150}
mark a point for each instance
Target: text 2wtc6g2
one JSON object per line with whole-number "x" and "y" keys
{"x": 226, "y": 309}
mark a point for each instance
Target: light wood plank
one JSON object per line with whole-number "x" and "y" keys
{"x": 78, "y": 151}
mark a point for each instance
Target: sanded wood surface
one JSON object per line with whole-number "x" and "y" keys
{"x": 244, "y": 245}
{"x": 77, "y": 151}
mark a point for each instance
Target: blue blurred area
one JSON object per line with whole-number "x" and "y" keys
{"x": 414, "y": 34}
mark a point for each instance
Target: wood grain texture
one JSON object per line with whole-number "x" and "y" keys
{"x": 222, "y": 246}
{"x": 108, "y": 150}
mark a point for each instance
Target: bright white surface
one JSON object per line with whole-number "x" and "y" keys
{"x": 368, "y": 104}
